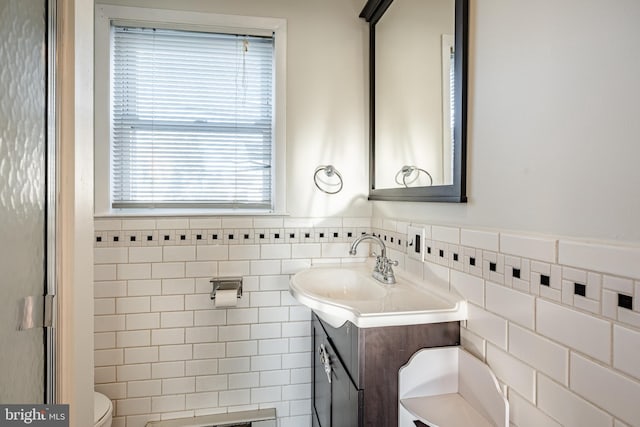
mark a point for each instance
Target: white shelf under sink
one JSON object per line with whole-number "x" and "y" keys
{"x": 449, "y": 387}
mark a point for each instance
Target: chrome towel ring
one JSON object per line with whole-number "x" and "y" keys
{"x": 406, "y": 171}
{"x": 330, "y": 182}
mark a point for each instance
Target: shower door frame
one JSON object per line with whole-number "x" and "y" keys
{"x": 51, "y": 191}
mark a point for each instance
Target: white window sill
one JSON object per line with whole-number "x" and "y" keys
{"x": 146, "y": 213}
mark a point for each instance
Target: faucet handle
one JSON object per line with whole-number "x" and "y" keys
{"x": 379, "y": 262}
{"x": 388, "y": 276}
{"x": 387, "y": 265}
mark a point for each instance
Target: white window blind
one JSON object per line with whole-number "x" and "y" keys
{"x": 192, "y": 119}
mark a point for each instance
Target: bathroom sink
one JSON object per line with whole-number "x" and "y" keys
{"x": 347, "y": 292}
{"x": 339, "y": 284}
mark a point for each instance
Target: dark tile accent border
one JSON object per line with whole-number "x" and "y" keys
{"x": 580, "y": 289}
{"x": 545, "y": 280}
{"x": 625, "y": 301}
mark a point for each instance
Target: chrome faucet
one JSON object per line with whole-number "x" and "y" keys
{"x": 383, "y": 270}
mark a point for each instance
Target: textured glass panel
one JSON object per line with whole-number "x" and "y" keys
{"x": 22, "y": 195}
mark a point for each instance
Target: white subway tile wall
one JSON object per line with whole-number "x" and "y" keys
{"x": 558, "y": 321}
{"x": 548, "y": 315}
{"x": 162, "y": 350}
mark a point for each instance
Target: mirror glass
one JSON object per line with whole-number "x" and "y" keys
{"x": 413, "y": 85}
{"x": 418, "y": 111}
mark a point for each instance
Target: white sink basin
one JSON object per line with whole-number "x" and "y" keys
{"x": 339, "y": 284}
{"x": 340, "y": 293}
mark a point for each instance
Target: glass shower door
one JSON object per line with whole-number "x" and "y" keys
{"x": 23, "y": 151}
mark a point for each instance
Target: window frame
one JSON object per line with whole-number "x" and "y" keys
{"x": 199, "y": 21}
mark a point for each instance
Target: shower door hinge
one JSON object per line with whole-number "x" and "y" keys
{"x": 48, "y": 311}
{"x": 36, "y": 312}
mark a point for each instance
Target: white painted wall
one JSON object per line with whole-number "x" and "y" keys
{"x": 552, "y": 114}
{"x": 553, "y": 121}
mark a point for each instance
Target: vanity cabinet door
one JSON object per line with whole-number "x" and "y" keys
{"x": 336, "y": 400}
{"x": 345, "y": 341}
{"x": 346, "y": 399}
{"x": 321, "y": 396}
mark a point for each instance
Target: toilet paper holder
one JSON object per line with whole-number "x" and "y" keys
{"x": 226, "y": 283}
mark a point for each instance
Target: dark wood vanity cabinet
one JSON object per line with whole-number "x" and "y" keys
{"x": 336, "y": 399}
{"x": 362, "y": 365}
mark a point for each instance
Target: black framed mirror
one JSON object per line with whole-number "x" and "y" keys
{"x": 418, "y": 99}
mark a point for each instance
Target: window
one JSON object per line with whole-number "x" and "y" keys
{"x": 192, "y": 117}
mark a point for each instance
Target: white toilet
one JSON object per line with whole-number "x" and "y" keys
{"x": 102, "y": 410}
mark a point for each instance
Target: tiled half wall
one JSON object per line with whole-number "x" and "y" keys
{"x": 161, "y": 348}
{"x": 557, "y": 320}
